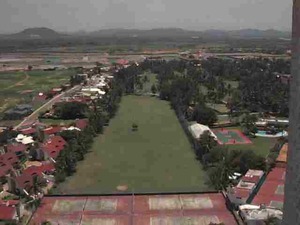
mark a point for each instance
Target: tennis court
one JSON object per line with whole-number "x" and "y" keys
{"x": 231, "y": 137}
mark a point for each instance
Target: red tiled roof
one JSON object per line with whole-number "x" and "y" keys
{"x": 9, "y": 202}
{"x": 9, "y": 158}
{"x": 242, "y": 193}
{"x": 24, "y": 181}
{"x": 7, "y": 212}
{"x": 269, "y": 190}
{"x": 54, "y": 145}
{"x": 28, "y": 131}
{"x": 16, "y": 147}
{"x": 122, "y": 61}
{"x": 52, "y": 130}
{"x": 81, "y": 123}
{"x": 4, "y": 168}
{"x": 277, "y": 174}
{"x": 38, "y": 170}
{"x": 253, "y": 179}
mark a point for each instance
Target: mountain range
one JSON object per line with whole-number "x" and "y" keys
{"x": 46, "y": 33}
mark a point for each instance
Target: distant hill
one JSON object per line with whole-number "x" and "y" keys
{"x": 254, "y": 33}
{"x": 46, "y": 33}
{"x": 177, "y": 32}
{"x": 36, "y": 33}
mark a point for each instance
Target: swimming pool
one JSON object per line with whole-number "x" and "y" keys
{"x": 262, "y": 133}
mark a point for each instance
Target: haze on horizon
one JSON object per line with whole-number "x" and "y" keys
{"x": 91, "y": 15}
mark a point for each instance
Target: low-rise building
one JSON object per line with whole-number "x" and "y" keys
{"x": 243, "y": 192}
{"x": 9, "y": 158}
{"x": 30, "y": 131}
{"x": 257, "y": 215}
{"x": 8, "y": 211}
{"x": 17, "y": 148}
{"x": 53, "y": 146}
{"x": 24, "y": 139}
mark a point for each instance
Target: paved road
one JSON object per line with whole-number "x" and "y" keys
{"x": 46, "y": 106}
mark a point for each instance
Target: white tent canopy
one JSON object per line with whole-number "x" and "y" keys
{"x": 198, "y": 129}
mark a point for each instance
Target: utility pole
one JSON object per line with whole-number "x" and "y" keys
{"x": 291, "y": 211}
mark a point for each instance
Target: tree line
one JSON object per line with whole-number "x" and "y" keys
{"x": 79, "y": 142}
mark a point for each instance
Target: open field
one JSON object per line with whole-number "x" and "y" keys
{"x": 56, "y": 121}
{"x": 16, "y": 87}
{"x": 260, "y": 145}
{"x": 156, "y": 158}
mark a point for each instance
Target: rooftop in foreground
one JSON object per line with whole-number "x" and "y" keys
{"x": 196, "y": 209}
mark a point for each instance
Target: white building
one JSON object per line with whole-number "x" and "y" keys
{"x": 253, "y": 214}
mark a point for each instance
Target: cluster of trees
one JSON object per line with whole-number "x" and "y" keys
{"x": 7, "y": 134}
{"x": 78, "y": 145}
{"x": 259, "y": 89}
{"x": 70, "y": 110}
{"x": 221, "y": 163}
{"x": 79, "y": 142}
{"x": 248, "y": 124}
{"x": 178, "y": 82}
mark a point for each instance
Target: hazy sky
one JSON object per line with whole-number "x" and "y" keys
{"x": 74, "y": 15}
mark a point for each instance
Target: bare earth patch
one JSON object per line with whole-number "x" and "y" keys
{"x": 122, "y": 188}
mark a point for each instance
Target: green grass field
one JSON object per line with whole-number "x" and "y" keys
{"x": 56, "y": 121}
{"x": 260, "y": 145}
{"x": 156, "y": 158}
{"x": 12, "y": 85}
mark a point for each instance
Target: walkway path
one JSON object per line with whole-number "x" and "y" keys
{"x": 19, "y": 82}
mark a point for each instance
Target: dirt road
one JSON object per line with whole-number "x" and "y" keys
{"x": 19, "y": 82}
{"x": 46, "y": 106}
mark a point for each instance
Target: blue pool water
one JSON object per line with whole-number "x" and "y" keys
{"x": 262, "y": 133}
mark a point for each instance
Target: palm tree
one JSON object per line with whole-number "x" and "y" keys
{"x": 222, "y": 169}
{"x": 272, "y": 221}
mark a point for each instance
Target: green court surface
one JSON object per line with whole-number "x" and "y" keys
{"x": 226, "y": 137}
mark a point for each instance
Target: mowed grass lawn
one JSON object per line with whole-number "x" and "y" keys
{"x": 260, "y": 145}
{"x": 156, "y": 158}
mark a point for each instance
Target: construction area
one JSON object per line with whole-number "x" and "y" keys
{"x": 153, "y": 209}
